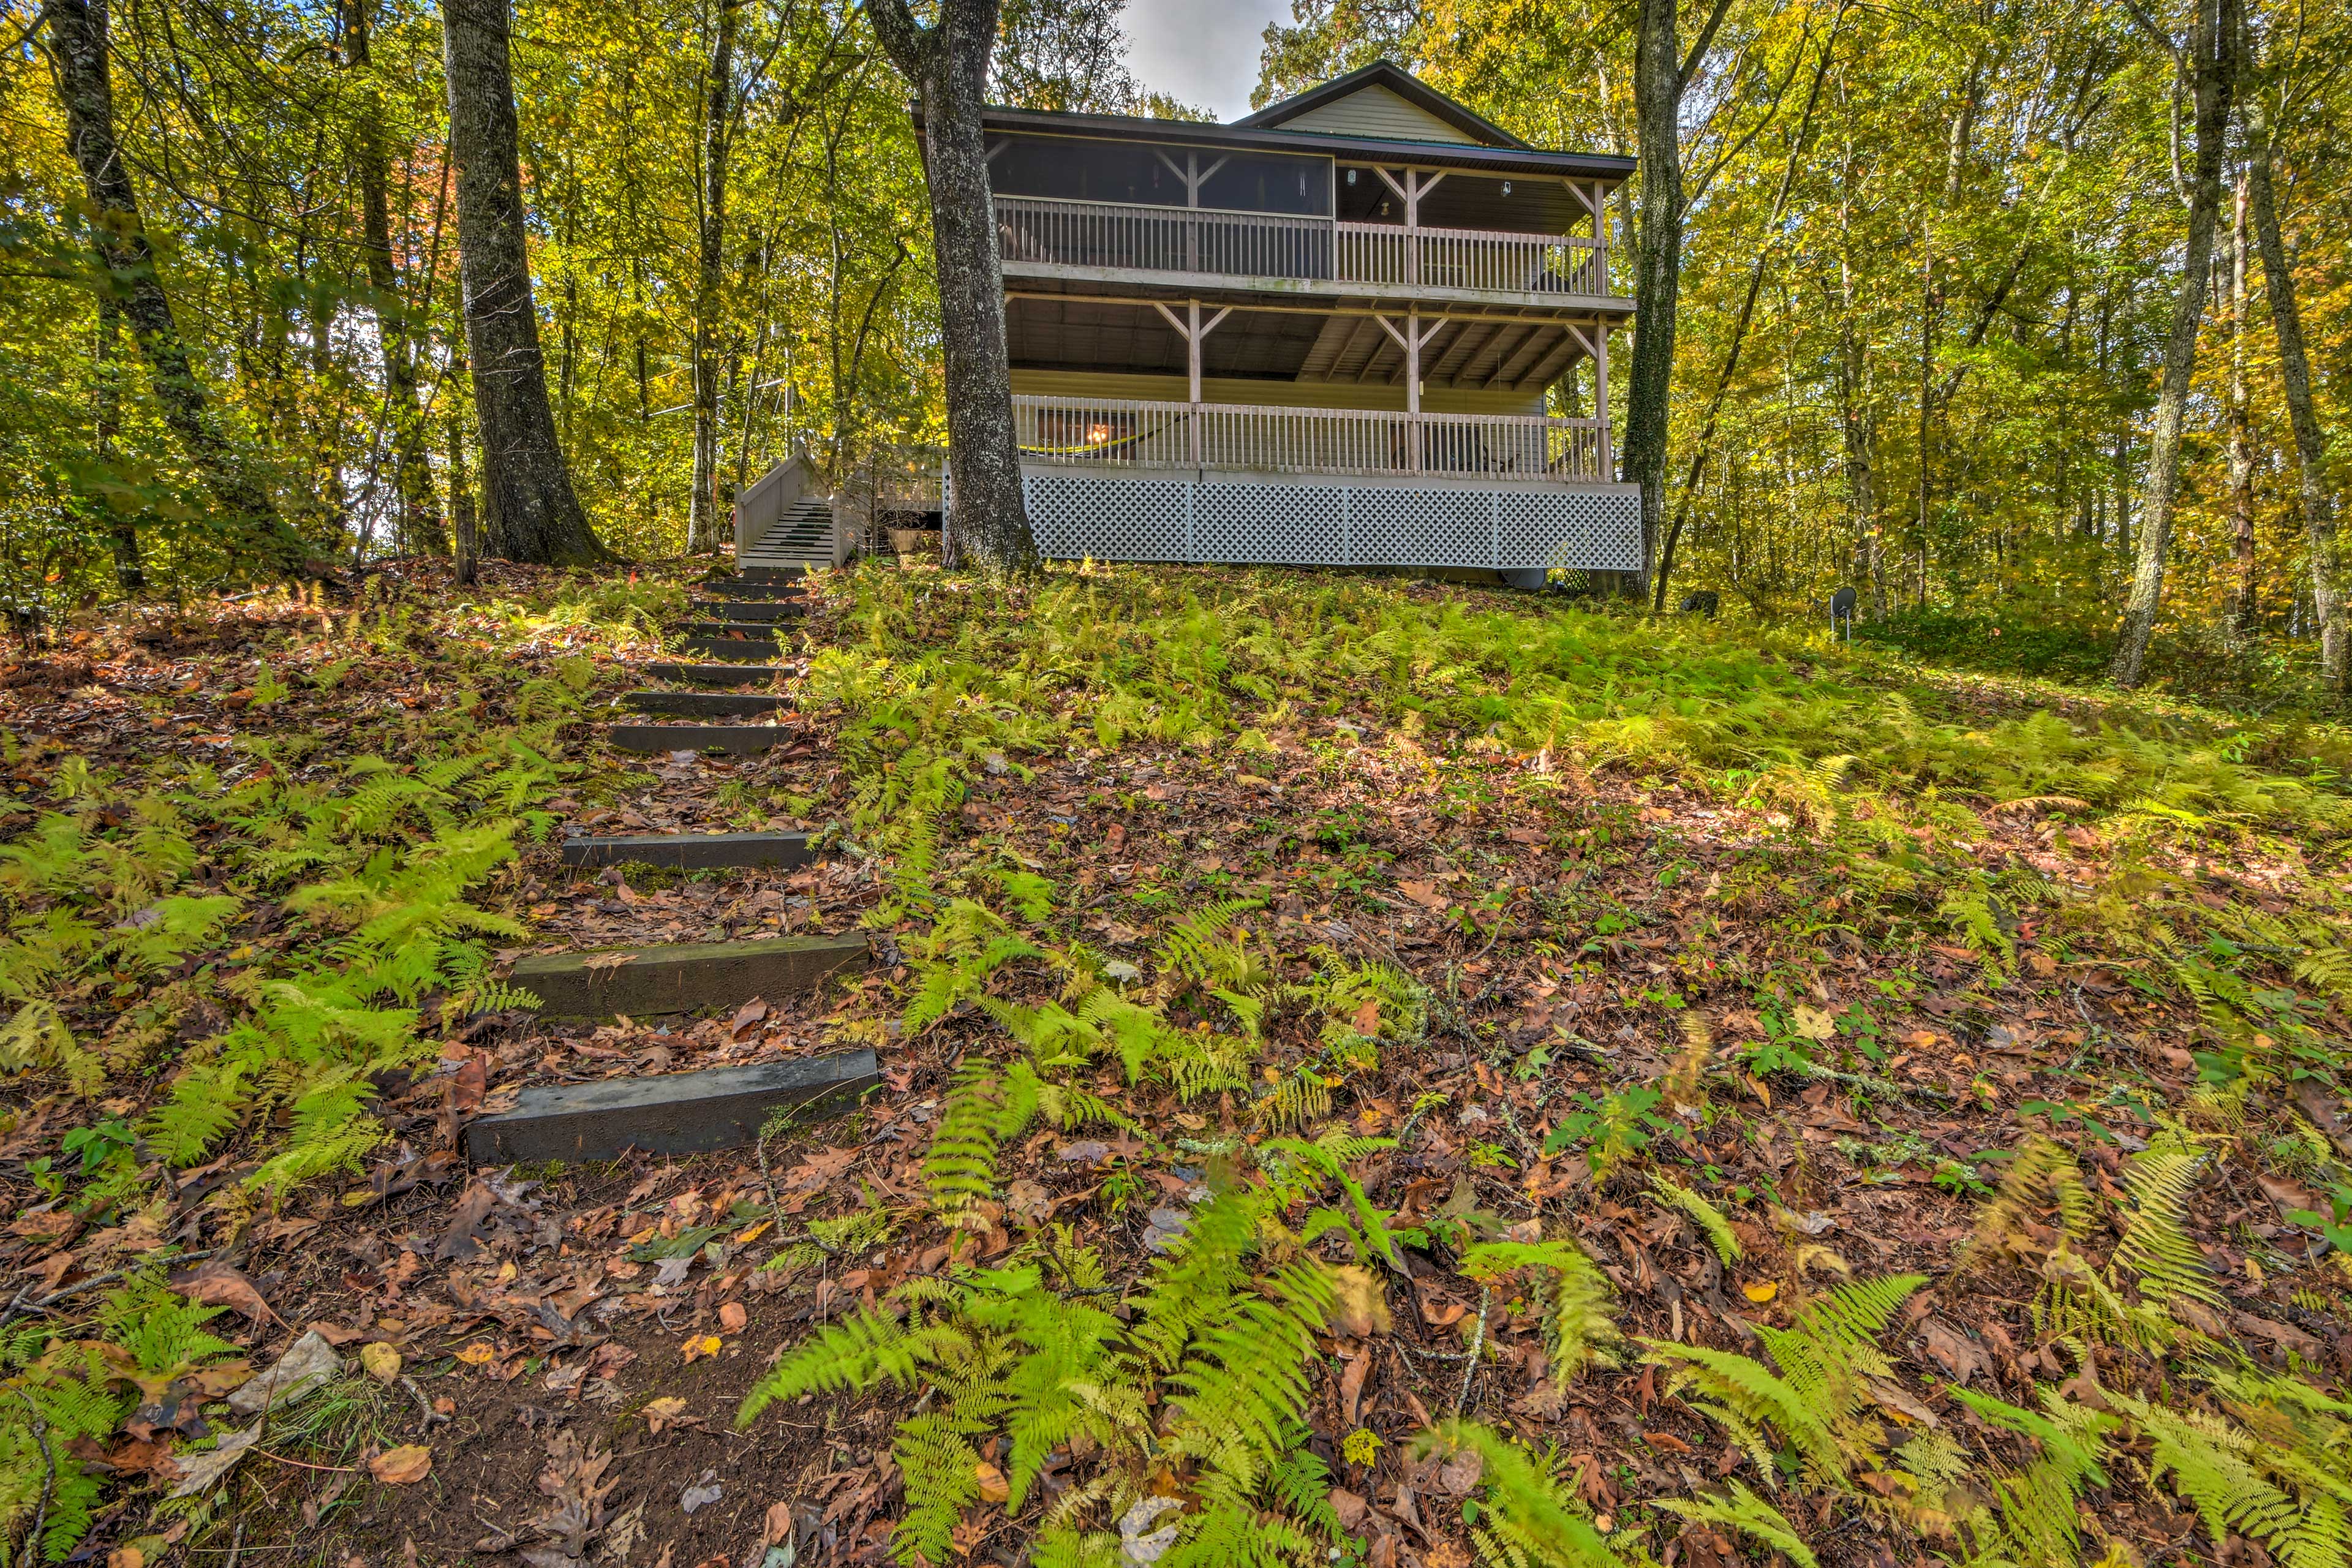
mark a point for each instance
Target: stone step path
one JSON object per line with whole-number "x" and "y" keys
{"x": 741, "y": 739}
{"x": 706, "y": 704}
{"x": 684, "y": 978}
{"x": 691, "y": 852}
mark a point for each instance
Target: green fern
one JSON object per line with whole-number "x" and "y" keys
{"x": 1744, "y": 1511}
{"x": 1709, "y": 1219}
{"x": 1534, "y": 1521}
{"x": 2154, "y": 1247}
{"x": 1575, "y": 1297}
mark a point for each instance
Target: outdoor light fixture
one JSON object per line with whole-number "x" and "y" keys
{"x": 1506, "y": 188}
{"x": 1097, "y": 434}
{"x": 1351, "y": 176}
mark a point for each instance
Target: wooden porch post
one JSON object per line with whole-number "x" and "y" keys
{"x": 1192, "y": 331}
{"x": 1601, "y": 396}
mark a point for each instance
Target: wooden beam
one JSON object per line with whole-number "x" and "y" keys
{"x": 1453, "y": 311}
{"x": 1510, "y": 370}
{"x": 1464, "y": 350}
{"x": 1552, "y": 364}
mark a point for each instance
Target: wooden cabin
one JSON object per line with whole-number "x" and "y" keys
{"x": 1362, "y": 326}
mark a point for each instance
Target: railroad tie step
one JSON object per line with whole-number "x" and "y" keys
{"x": 706, "y": 704}
{"x": 691, "y": 851}
{"x": 683, "y": 978}
{"x": 778, "y": 574}
{"x": 715, "y": 674}
{"x": 749, "y": 612}
{"x": 730, "y": 648}
{"x": 672, "y": 1113}
{"x": 740, "y": 588}
{"x": 744, "y": 739}
{"x": 765, "y": 630}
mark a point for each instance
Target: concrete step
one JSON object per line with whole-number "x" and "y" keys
{"x": 741, "y": 739}
{"x": 673, "y": 1113}
{"x": 706, "y": 704}
{"x": 684, "y": 978}
{"x": 691, "y": 852}
{"x": 715, "y": 674}
{"x": 730, "y": 648}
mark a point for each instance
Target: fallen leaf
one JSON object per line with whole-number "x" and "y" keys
{"x": 381, "y": 1362}
{"x": 218, "y": 1284}
{"x": 1760, "y": 1293}
{"x": 1461, "y": 1472}
{"x": 1425, "y": 894}
{"x": 401, "y": 1466}
{"x": 199, "y": 1471}
{"x": 732, "y": 1317}
{"x": 668, "y": 1411}
{"x": 702, "y": 1493}
{"x": 747, "y": 1017}
{"x": 993, "y": 1487}
{"x": 479, "y": 1354}
{"x": 597, "y": 963}
{"x": 306, "y": 1367}
{"x": 1952, "y": 1350}
{"x": 1812, "y": 1023}
{"x": 1359, "y": 1306}
{"x": 702, "y": 1345}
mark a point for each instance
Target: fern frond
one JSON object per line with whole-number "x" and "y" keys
{"x": 1709, "y": 1219}
{"x": 1745, "y": 1512}
{"x": 2158, "y": 1180}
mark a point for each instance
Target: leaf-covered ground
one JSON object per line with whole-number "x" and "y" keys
{"x": 1402, "y": 1071}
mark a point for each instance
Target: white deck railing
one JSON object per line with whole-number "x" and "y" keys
{"x": 1122, "y": 433}
{"x": 1263, "y": 245}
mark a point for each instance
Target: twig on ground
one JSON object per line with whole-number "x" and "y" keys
{"x": 1477, "y": 1344}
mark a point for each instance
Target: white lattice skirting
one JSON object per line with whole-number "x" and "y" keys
{"x": 1243, "y": 519}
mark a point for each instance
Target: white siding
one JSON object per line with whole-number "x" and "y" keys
{"x": 1373, "y": 110}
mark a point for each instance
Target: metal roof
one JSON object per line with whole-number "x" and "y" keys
{"x": 1517, "y": 159}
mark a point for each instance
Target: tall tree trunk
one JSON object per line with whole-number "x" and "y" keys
{"x": 78, "y": 39}
{"x": 2241, "y": 421}
{"x": 121, "y": 530}
{"x": 411, "y": 467}
{"x": 1657, "y": 266}
{"x": 2213, "y": 48}
{"x": 535, "y": 516}
{"x": 702, "y": 522}
{"x": 462, "y": 516}
{"x": 947, "y": 63}
{"x": 1765, "y": 250}
{"x": 2294, "y": 371}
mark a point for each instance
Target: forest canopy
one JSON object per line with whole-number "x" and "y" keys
{"x": 1929, "y": 269}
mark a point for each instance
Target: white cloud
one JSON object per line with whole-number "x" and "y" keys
{"x": 1204, "y": 52}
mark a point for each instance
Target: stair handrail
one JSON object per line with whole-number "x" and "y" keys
{"x": 766, "y": 501}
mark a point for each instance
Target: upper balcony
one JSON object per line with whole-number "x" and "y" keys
{"x": 1256, "y": 252}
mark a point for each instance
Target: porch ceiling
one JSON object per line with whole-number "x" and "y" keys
{"x": 1076, "y": 334}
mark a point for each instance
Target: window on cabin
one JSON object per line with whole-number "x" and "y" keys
{"x": 1296, "y": 186}
{"x": 1069, "y": 170}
